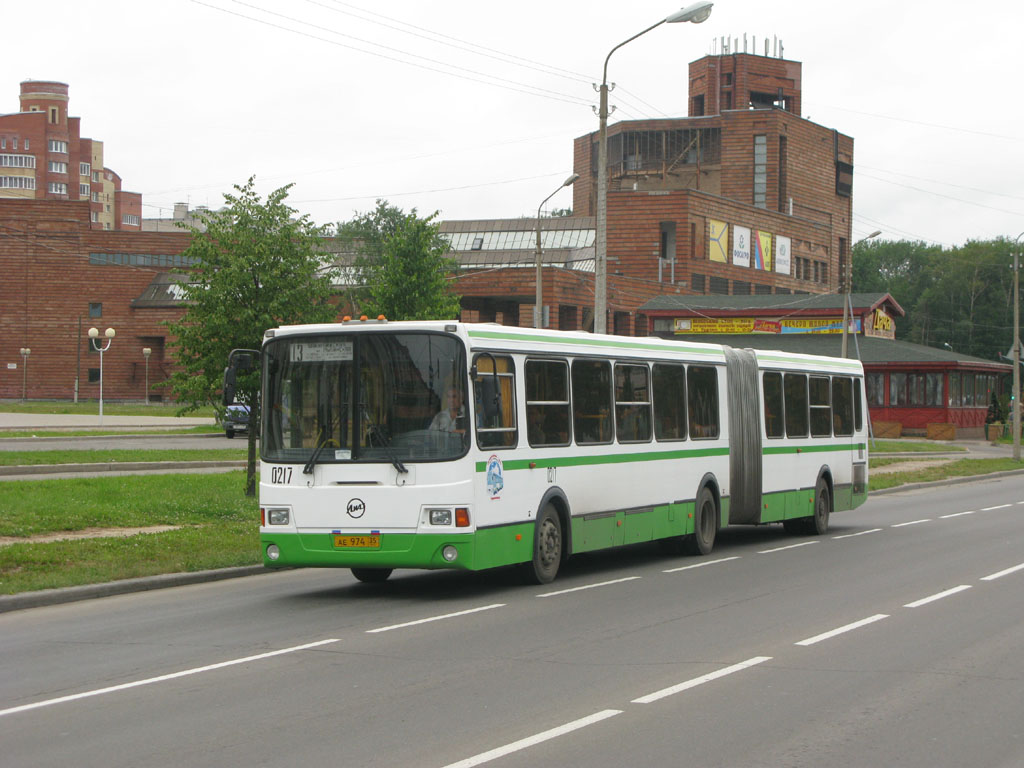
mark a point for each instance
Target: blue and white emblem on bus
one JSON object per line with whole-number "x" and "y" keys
{"x": 495, "y": 481}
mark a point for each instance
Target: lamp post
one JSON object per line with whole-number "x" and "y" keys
{"x": 696, "y": 13}
{"x": 146, "y": 352}
{"x": 25, "y": 352}
{"x": 538, "y": 310}
{"x": 93, "y": 336}
{"x": 1016, "y": 348}
{"x": 848, "y": 279}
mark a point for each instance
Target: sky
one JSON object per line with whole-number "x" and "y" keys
{"x": 470, "y": 109}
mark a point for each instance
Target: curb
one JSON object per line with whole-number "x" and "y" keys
{"x": 44, "y": 597}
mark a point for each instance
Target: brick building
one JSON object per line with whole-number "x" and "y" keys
{"x": 63, "y": 276}
{"x": 43, "y": 156}
{"x": 743, "y": 197}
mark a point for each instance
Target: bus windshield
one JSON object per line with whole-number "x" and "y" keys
{"x": 375, "y": 397}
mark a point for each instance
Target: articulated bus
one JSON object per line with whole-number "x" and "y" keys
{"x": 390, "y": 445}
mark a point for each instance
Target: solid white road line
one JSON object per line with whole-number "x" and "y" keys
{"x": 939, "y": 596}
{"x": 434, "y": 618}
{"x": 859, "y": 533}
{"x": 589, "y": 586}
{"x": 1000, "y": 574}
{"x": 701, "y": 565}
{"x": 163, "y": 678}
{"x": 529, "y": 741}
{"x": 912, "y": 522}
{"x": 788, "y": 546}
{"x": 1001, "y": 506}
{"x": 956, "y": 514}
{"x": 700, "y": 680}
{"x": 841, "y": 630}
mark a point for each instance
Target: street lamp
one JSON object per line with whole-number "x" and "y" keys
{"x": 538, "y": 311}
{"x": 848, "y": 279}
{"x": 1015, "y": 400}
{"x": 25, "y": 352}
{"x": 696, "y": 13}
{"x": 146, "y": 352}
{"x": 93, "y": 336}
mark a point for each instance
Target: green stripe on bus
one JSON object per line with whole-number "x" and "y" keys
{"x": 822, "y": 448}
{"x": 595, "y": 341}
{"x": 776, "y": 357}
{"x": 612, "y": 458}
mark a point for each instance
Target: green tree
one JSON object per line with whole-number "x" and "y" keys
{"x": 402, "y": 265}
{"x": 255, "y": 266}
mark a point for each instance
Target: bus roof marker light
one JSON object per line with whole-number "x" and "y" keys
{"x": 381, "y": 318}
{"x": 363, "y": 318}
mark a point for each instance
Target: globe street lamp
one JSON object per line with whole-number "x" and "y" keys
{"x": 25, "y": 352}
{"x": 538, "y": 311}
{"x": 93, "y": 336}
{"x": 848, "y": 279}
{"x": 146, "y": 352}
{"x": 696, "y": 13}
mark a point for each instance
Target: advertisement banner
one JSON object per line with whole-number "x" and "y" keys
{"x": 763, "y": 251}
{"x": 741, "y": 246}
{"x": 745, "y": 325}
{"x": 782, "y": 251}
{"x": 718, "y": 241}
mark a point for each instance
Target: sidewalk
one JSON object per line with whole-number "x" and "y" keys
{"x": 55, "y": 421}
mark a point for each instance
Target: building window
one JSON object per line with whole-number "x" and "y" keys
{"x": 94, "y": 217}
{"x": 84, "y": 169}
{"x": 26, "y": 143}
{"x": 57, "y": 188}
{"x": 3, "y": 142}
{"x": 96, "y": 309}
{"x": 130, "y": 219}
{"x": 17, "y": 182}
{"x": 96, "y": 176}
{"x": 95, "y": 197}
{"x": 761, "y": 171}
{"x": 875, "y": 383}
{"x": 83, "y": 190}
{"x": 55, "y": 167}
{"x": 58, "y": 146}
{"x": 15, "y": 143}
{"x": 17, "y": 161}
{"x": 54, "y": 116}
{"x": 94, "y": 373}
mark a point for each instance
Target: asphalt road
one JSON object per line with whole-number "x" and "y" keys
{"x": 898, "y": 639}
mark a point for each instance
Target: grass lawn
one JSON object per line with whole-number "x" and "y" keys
{"x": 219, "y": 528}
{"x": 911, "y": 446}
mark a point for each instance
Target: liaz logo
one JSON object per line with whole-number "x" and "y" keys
{"x": 356, "y": 508}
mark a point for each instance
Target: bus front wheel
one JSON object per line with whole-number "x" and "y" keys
{"x": 371, "y": 575}
{"x": 547, "y": 548}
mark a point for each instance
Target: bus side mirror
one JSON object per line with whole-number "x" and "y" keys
{"x": 239, "y": 361}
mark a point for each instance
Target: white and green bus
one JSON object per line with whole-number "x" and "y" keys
{"x": 455, "y": 445}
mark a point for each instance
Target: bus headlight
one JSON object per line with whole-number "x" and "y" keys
{"x": 277, "y": 516}
{"x": 449, "y": 553}
{"x": 440, "y": 516}
{"x": 273, "y": 552}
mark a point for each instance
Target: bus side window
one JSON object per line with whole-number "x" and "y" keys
{"x": 632, "y": 404}
{"x": 494, "y": 402}
{"x": 772, "y": 387}
{"x": 592, "y": 401}
{"x": 547, "y": 402}
{"x": 858, "y": 407}
{"x": 821, "y": 406}
{"x": 669, "y": 384}
{"x": 842, "y": 405}
{"x": 702, "y": 401}
{"x": 795, "y": 394}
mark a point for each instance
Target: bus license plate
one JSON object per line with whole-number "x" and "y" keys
{"x": 368, "y": 541}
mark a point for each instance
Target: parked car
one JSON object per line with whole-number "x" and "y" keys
{"x": 235, "y": 420}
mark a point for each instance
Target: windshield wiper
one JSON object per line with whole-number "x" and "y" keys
{"x": 373, "y": 431}
{"x": 320, "y": 445}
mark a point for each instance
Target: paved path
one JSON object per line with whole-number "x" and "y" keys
{"x": 26, "y": 421}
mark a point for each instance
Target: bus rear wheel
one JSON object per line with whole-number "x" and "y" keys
{"x": 547, "y": 548}
{"x": 705, "y": 524}
{"x": 818, "y": 524}
{"x": 371, "y": 575}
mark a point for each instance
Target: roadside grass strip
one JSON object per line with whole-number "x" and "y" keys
{"x": 674, "y": 689}
{"x": 937, "y": 596}
{"x": 434, "y": 618}
{"x": 529, "y": 741}
{"x": 843, "y": 629}
{"x": 163, "y": 678}
{"x": 589, "y": 586}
